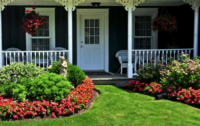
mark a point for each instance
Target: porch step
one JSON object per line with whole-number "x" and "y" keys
{"x": 111, "y": 79}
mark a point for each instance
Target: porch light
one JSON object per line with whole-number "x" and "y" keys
{"x": 95, "y": 4}
{"x": 14, "y": 75}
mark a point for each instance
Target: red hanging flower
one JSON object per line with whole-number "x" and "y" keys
{"x": 164, "y": 23}
{"x": 33, "y": 7}
{"x": 33, "y": 21}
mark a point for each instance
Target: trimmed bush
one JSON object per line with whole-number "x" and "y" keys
{"x": 55, "y": 67}
{"x": 75, "y": 75}
{"x": 17, "y": 91}
{"x": 29, "y": 71}
{"x": 49, "y": 87}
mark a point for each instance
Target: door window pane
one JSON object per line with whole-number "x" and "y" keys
{"x": 92, "y": 31}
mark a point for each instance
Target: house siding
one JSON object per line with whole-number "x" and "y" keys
{"x": 14, "y": 36}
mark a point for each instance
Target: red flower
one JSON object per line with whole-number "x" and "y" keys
{"x": 33, "y": 7}
{"x": 15, "y": 116}
{"x": 27, "y": 11}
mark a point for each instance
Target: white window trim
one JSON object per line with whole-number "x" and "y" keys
{"x": 146, "y": 12}
{"x": 51, "y": 13}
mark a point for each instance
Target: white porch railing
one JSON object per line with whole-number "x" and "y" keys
{"x": 40, "y": 58}
{"x": 144, "y": 55}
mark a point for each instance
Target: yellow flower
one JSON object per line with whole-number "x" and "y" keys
{"x": 49, "y": 67}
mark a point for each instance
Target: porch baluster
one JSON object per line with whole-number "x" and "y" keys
{"x": 166, "y": 56}
{"x": 6, "y": 58}
{"x": 135, "y": 69}
{"x": 43, "y": 58}
{"x": 143, "y": 58}
{"x": 147, "y": 56}
{"x": 174, "y": 54}
{"x": 35, "y": 58}
{"x": 47, "y": 60}
{"x": 155, "y": 58}
{"x": 26, "y": 57}
{"x": 18, "y": 57}
{"x": 139, "y": 58}
{"x": 189, "y": 53}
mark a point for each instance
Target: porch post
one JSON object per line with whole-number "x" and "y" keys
{"x": 130, "y": 7}
{"x": 70, "y": 30}
{"x": 195, "y": 6}
{"x": 196, "y": 28}
{"x": 1, "y": 55}
{"x": 130, "y": 41}
{"x": 70, "y": 5}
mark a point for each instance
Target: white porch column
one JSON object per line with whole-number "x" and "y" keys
{"x": 1, "y": 55}
{"x": 196, "y": 28}
{"x": 195, "y": 6}
{"x": 70, "y": 40}
{"x": 130, "y": 41}
{"x": 70, "y": 6}
{"x": 130, "y": 7}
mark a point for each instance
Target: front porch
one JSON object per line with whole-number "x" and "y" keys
{"x": 66, "y": 34}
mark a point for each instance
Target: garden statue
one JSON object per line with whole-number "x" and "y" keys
{"x": 63, "y": 66}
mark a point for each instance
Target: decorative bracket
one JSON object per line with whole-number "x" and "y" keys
{"x": 70, "y": 3}
{"x": 4, "y": 3}
{"x": 193, "y": 3}
{"x": 130, "y": 3}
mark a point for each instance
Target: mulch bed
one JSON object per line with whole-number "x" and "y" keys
{"x": 48, "y": 117}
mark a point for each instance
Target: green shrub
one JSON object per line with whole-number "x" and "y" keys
{"x": 49, "y": 86}
{"x": 185, "y": 74}
{"x": 150, "y": 73}
{"x": 75, "y": 75}
{"x": 55, "y": 67}
{"x": 15, "y": 90}
{"x": 28, "y": 70}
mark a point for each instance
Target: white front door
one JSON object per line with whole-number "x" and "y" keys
{"x": 92, "y": 43}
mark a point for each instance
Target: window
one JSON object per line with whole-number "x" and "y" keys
{"x": 44, "y": 39}
{"x": 143, "y": 36}
{"x": 143, "y": 29}
{"x": 92, "y": 31}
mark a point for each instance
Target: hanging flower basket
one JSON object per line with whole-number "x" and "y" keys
{"x": 33, "y": 21}
{"x": 164, "y": 23}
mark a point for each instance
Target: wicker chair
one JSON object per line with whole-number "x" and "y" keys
{"x": 14, "y": 57}
{"x": 122, "y": 57}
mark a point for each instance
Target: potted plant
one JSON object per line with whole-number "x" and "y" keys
{"x": 164, "y": 23}
{"x": 33, "y": 21}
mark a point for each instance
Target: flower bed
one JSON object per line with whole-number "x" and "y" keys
{"x": 77, "y": 99}
{"x": 189, "y": 96}
{"x": 152, "y": 88}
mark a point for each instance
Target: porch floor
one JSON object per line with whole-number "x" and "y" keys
{"x": 114, "y": 79}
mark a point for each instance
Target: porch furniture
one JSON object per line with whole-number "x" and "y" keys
{"x": 122, "y": 57}
{"x": 54, "y": 56}
{"x": 13, "y": 55}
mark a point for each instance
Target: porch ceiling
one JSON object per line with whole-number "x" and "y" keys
{"x": 103, "y": 2}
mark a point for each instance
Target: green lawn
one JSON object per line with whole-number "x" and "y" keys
{"x": 117, "y": 107}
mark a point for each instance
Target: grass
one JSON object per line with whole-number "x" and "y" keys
{"x": 117, "y": 107}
